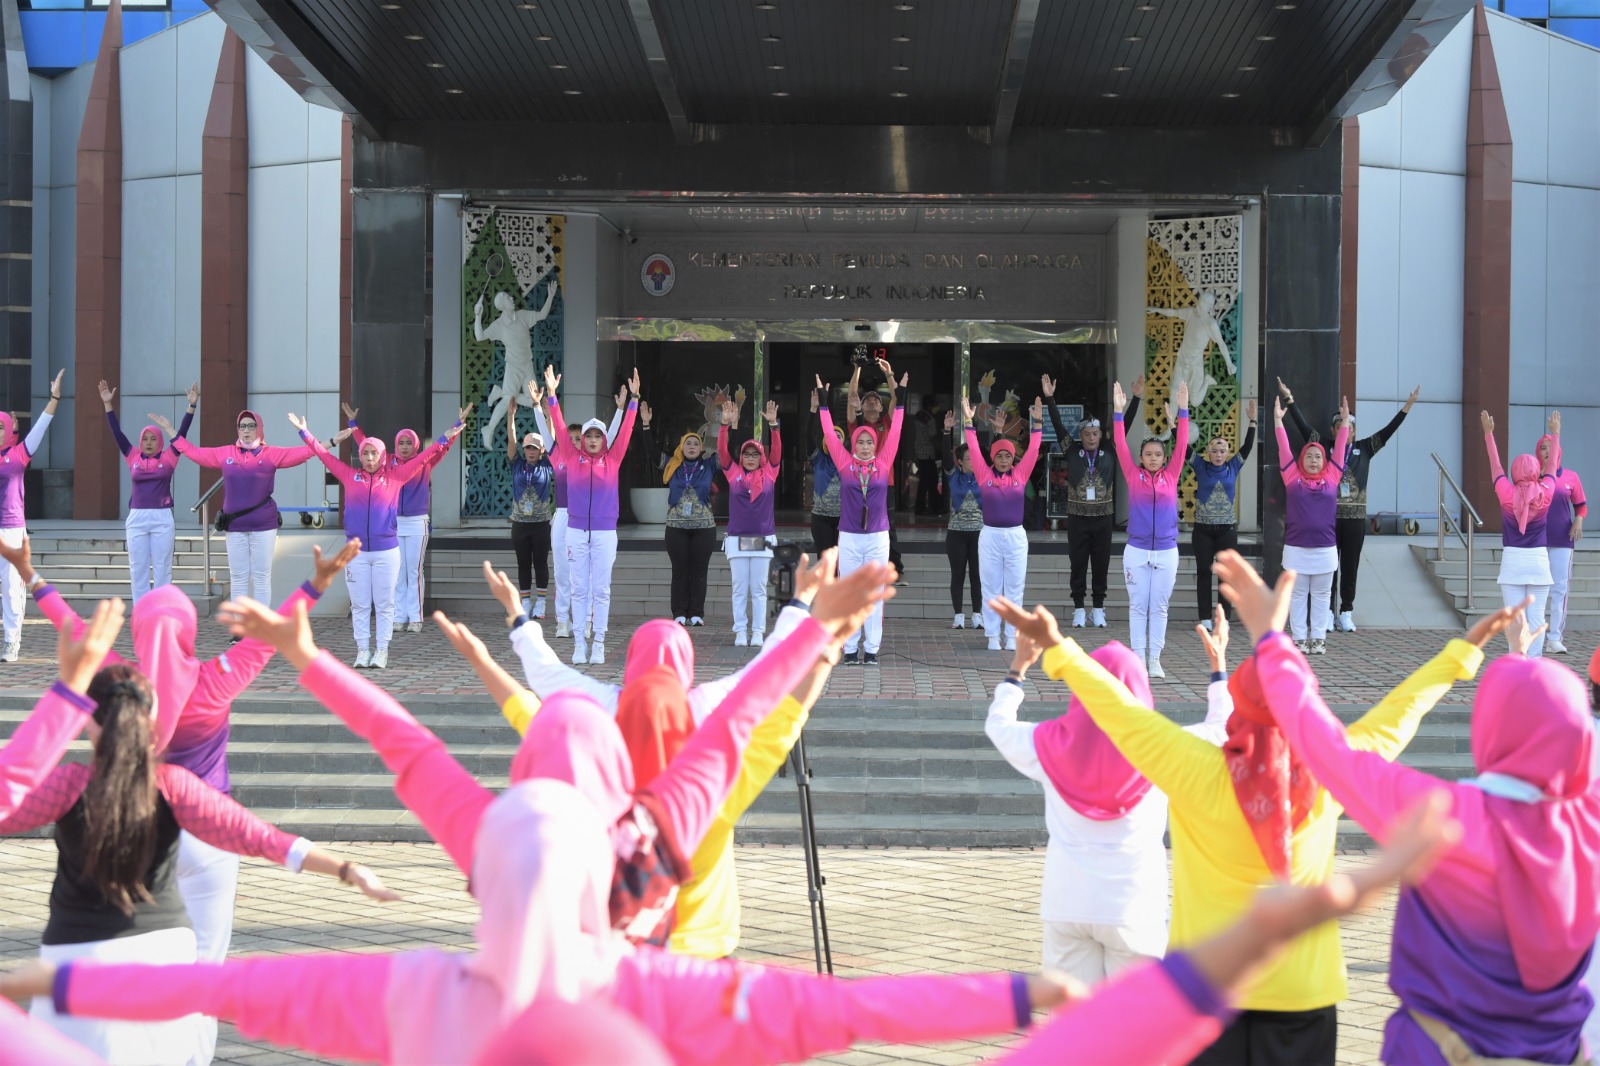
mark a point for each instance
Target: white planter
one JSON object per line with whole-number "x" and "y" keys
{"x": 649, "y": 506}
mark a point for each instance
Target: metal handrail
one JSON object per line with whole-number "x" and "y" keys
{"x": 1454, "y": 523}
{"x": 203, "y": 505}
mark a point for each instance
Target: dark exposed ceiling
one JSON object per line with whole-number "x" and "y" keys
{"x": 702, "y": 63}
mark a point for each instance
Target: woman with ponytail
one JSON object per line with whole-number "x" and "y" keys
{"x": 117, "y": 820}
{"x": 752, "y": 530}
{"x": 1524, "y": 513}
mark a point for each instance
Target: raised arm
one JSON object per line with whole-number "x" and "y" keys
{"x": 331, "y": 1005}
{"x": 1288, "y": 464}
{"x": 1300, "y": 425}
{"x": 1496, "y": 471}
{"x": 1180, "y": 440}
{"x": 1119, "y": 440}
{"x": 830, "y": 440}
{"x": 40, "y": 741}
{"x": 1030, "y": 455}
{"x": 774, "y": 449}
{"x": 560, "y": 444}
{"x": 1011, "y": 738}
{"x": 1387, "y": 728}
{"x": 123, "y": 445}
{"x": 1336, "y": 458}
{"x": 1249, "y": 443}
{"x": 512, "y": 448}
{"x": 724, "y": 458}
{"x": 1375, "y": 443}
{"x": 210, "y": 458}
{"x": 336, "y": 466}
{"x": 891, "y": 440}
{"x": 546, "y": 674}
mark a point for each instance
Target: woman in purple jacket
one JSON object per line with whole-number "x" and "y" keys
{"x": 1525, "y": 499}
{"x": 1003, "y": 543}
{"x": 371, "y": 516}
{"x": 752, "y": 529}
{"x": 249, "y": 516}
{"x": 1150, "y": 559}
{"x": 149, "y": 524}
{"x": 1310, "y": 542}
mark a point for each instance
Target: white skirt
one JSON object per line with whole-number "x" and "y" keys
{"x": 1525, "y": 566}
{"x": 126, "y": 1043}
{"x": 1311, "y": 560}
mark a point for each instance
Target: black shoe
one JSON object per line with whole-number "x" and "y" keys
{"x": 851, "y": 659}
{"x": 869, "y": 658}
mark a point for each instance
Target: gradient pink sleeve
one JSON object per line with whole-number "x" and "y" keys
{"x": 331, "y": 1005}
{"x": 1373, "y": 790}
{"x": 724, "y": 460}
{"x": 830, "y": 440}
{"x": 24, "y": 1042}
{"x": 694, "y": 786}
{"x": 218, "y": 819}
{"x": 283, "y": 458}
{"x": 1286, "y": 457}
{"x": 1156, "y": 1012}
{"x": 210, "y": 457}
{"x": 721, "y": 1011}
{"x": 222, "y": 679}
{"x": 775, "y": 453}
{"x": 1496, "y": 471}
{"x": 619, "y": 446}
{"x": 891, "y": 442}
{"x": 39, "y": 743}
{"x": 49, "y": 800}
{"x": 418, "y": 464}
{"x": 60, "y": 613}
{"x": 1119, "y": 439}
{"x": 433, "y": 786}
{"x": 1180, "y": 441}
{"x": 1031, "y": 455}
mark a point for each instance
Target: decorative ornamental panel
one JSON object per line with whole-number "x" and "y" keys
{"x": 511, "y": 329}
{"x": 1195, "y": 307}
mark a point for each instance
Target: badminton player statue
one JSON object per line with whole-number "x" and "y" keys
{"x": 513, "y": 331}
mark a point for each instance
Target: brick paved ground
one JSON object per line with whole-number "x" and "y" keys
{"x": 890, "y": 911}
{"x": 918, "y": 659}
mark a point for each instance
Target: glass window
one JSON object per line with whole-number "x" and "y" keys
{"x": 91, "y": 5}
{"x": 1527, "y": 9}
{"x": 1581, "y": 8}
{"x": 1586, "y": 30}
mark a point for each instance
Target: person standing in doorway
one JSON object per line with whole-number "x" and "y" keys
{"x": 1525, "y": 499}
{"x": 824, "y": 478}
{"x": 532, "y": 497}
{"x": 691, "y": 535}
{"x": 752, "y": 530}
{"x": 1003, "y": 544}
{"x": 149, "y": 525}
{"x": 1563, "y": 531}
{"x": 1150, "y": 560}
{"x": 925, "y": 453}
{"x": 965, "y": 528}
{"x": 1350, "y": 523}
{"x": 1091, "y": 508}
{"x": 879, "y": 415}
{"x": 593, "y": 501}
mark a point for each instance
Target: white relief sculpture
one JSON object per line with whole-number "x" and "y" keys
{"x": 513, "y": 331}
{"x": 1200, "y": 331}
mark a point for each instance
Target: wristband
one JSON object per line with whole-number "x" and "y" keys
{"x": 515, "y": 620}
{"x": 36, "y": 583}
{"x": 344, "y": 871}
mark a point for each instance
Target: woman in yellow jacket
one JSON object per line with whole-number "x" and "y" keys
{"x": 1218, "y": 862}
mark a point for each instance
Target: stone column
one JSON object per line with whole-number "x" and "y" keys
{"x": 224, "y": 255}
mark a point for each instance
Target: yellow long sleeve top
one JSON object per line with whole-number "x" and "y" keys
{"x": 708, "y": 904}
{"x": 1216, "y": 866}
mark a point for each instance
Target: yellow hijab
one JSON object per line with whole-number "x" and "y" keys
{"x": 677, "y": 457}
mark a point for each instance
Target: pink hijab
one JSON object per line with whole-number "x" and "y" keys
{"x": 1530, "y": 721}
{"x": 572, "y": 740}
{"x": 1529, "y": 496}
{"x": 1080, "y": 760}
{"x": 1322, "y": 474}
{"x": 163, "y": 629}
{"x": 659, "y": 643}
{"x": 544, "y": 933}
{"x": 136, "y": 456}
{"x": 752, "y": 481}
{"x": 8, "y": 430}
{"x": 261, "y": 429}
{"x": 416, "y": 441}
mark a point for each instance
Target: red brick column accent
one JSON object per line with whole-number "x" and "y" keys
{"x": 1349, "y": 247}
{"x": 1486, "y": 336}
{"x": 224, "y": 254}
{"x": 97, "y": 331}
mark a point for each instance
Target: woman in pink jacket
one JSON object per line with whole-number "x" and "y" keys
{"x": 1150, "y": 560}
{"x": 249, "y": 516}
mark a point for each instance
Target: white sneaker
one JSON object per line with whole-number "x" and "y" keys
{"x": 363, "y": 659}
{"x": 416, "y": 627}
{"x": 1205, "y": 624}
{"x": 380, "y": 659}
{"x": 681, "y": 620}
{"x": 1080, "y": 618}
{"x": 580, "y": 653}
{"x": 994, "y": 645}
{"x": 538, "y": 608}
{"x": 1304, "y": 646}
{"x": 13, "y": 649}
{"x": 1552, "y": 646}
{"x": 960, "y": 622}
{"x": 697, "y": 621}
{"x": 563, "y": 629}
{"x": 757, "y": 638}
{"x": 1155, "y": 668}
{"x": 1011, "y": 644}
{"x": 527, "y": 606}
{"x": 741, "y": 639}
{"x": 597, "y": 653}
{"x": 977, "y": 622}
{"x": 1098, "y": 617}
{"x": 1318, "y": 647}
{"x": 1347, "y": 622}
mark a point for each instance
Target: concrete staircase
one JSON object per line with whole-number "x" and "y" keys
{"x": 909, "y": 773}
{"x": 87, "y": 568}
{"x": 1450, "y": 575}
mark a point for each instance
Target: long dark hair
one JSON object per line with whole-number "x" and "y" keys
{"x": 119, "y": 804}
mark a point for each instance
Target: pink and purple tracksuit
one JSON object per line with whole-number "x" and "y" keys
{"x": 416, "y": 497}
{"x": 1311, "y": 503}
{"x": 863, "y": 487}
{"x": 1153, "y": 498}
{"x": 372, "y": 501}
{"x": 248, "y": 476}
{"x": 592, "y": 480}
{"x": 1004, "y": 496}
{"x": 751, "y": 495}
{"x": 151, "y": 475}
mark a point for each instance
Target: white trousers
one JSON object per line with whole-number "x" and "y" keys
{"x": 1561, "y": 573}
{"x": 1150, "y": 577}
{"x": 408, "y": 590}
{"x": 125, "y": 1043}
{"x": 590, "y": 556}
{"x": 208, "y": 880}
{"x": 1002, "y": 571}
{"x": 563, "y": 571}
{"x": 855, "y": 551}
{"x": 1318, "y": 590}
{"x": 749, "y": 587}
{"x": 250, "y": 564}
{"x": 150, "y": 538}
{"x": 1093, "y": 952}
{"x": 13, "y": 593}
{"x": 370, "y": 579}
{"x": 1510, "y": 595}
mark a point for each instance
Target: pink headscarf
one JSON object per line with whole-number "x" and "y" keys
{"x": 1081, "y": 761}
{"x": 136, "y": 454}
{"x": 754, "y": 481}
{"x": 1002, "y": 445}
{"x": 1320, "y": 474}
{"x": 859, "y": 430}
{"x": 163, "y": 628}
{"x": 659, "y": 643}
{"x": 1530, "y": 721}
{"x": 571, "y": 739}
{"x": 261, "y": 429}
{"x": 416, "y": 441}
{"x": 373, "y": 442}
{"x": 1529, "y": 495}
{"x": 542, "y": 876}
{"x": 8, "y": 430}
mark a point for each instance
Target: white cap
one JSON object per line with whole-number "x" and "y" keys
{"x": 595, "y": 424}
{"x": 533, "y": 439}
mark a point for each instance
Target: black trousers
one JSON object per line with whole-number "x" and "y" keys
{"x": 1089, "y": 541}
{"x": 1276, "y": 1038}
{"x": 894, "y": 551}
{"x": 690, "y": 551}
{"x": 961, "y": 548}
{"x": 1349, "y": 534}
{"x": 531, "y": 542}
{"x": 928, "y": 478}
{"x": 824, "y": 532}
{"x": 1208, "y": 541}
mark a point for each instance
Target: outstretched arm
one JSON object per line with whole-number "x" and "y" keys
{"x": 123, "y": 444}
{"x": 830, "y": 441}
{"x": 546, "y": 674}
{"x": 37, "y": 746}
{"x": 1289, "y": 465}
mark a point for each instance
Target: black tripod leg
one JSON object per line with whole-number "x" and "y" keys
{"x": 814, "y": 879}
